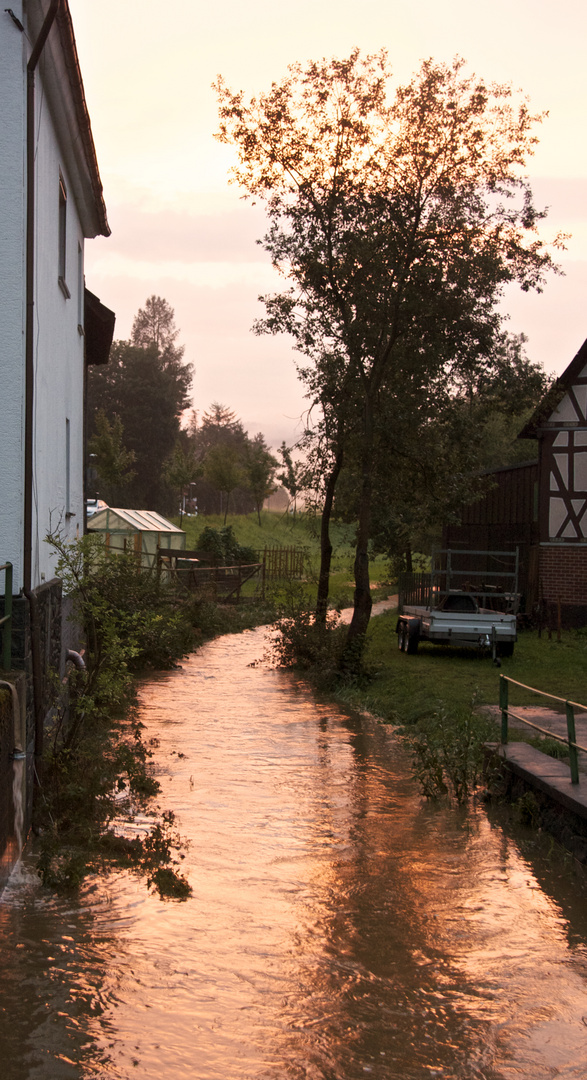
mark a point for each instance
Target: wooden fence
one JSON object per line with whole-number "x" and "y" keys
{"x": 225, "y": 582}
{"x": 414, "y": 589}
{"x": 283, "y": 563}
{"x": 193, "y": 569}
{"x": 221, "y": 582}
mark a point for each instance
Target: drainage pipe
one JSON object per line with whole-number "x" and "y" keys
{"x": 75, "y": 658}
{"x": 30, "y": 377}
{"x": 20, "y": 737}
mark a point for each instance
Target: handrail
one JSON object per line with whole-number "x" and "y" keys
{"x": 570, "y": 706}
{"x": 7, "y": 619}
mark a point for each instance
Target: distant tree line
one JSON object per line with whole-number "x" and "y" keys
{"x": 141, "y": 455}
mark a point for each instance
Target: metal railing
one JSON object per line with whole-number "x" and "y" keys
{"x": 6, "y": 622}
{"x": 570, "y": 706}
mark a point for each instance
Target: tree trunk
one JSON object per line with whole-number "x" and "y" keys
{"x": 325, "y": 544}
{"x": 409, "y": 563}
{"x": 362, "y": 600}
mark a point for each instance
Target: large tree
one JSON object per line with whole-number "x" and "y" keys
{"x": 397, "y": 221}
{"x": 145, "y": 389}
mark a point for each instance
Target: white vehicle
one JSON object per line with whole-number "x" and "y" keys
{"x": 455, "y": 616}
{"x": 93, "y": 506}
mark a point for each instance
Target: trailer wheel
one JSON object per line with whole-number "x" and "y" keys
{"x": 402, "y": 634}
{"x": 507, "y": 649}
{"x": 412, "y": 639}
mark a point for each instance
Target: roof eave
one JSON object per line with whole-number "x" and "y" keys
{"x": 553, "y": 397}
{"x": 64, "y": 87}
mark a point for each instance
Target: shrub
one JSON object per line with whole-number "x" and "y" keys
{"x": 448, "y": 752}
{"x": 306, "y": 646}
{"x": 224, "y": 548}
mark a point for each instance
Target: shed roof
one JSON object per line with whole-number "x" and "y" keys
{"x": 134, "y": 520}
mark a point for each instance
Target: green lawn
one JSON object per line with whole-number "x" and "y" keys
{"x": 406, "y": 688}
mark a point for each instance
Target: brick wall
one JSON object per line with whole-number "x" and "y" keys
{"x": 563, "y": 576}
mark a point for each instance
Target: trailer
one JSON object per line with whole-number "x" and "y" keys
{"x": 462, "y": 602}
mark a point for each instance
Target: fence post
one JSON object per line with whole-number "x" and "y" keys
{"x": 503, "y": 704}
{"x": 573, "y": 755}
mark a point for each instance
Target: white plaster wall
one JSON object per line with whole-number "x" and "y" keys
{"x": 59, "y": 355}
{"x": 12, "y": 290}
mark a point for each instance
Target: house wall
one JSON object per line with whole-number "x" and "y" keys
{"x": 12, "y": 288}
{"x": 59, "y": 354}
{"x": 59, "y": 346}
{"x": 58, "y": 357}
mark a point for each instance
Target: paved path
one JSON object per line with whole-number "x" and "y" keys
{"x": 377, "y": 609}
{"x": 549, "y": 775}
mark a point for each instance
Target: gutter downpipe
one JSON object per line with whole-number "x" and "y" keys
{"x": 30, "y": 379}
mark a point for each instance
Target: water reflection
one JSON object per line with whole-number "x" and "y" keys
{"x": 339, "y": 928}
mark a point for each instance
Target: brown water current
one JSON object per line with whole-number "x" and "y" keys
{"x": 339, "y": 926}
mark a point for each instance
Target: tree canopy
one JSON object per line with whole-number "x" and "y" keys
{"x": 142, "y": 392}
{"x": 396, "y": 220}
{"x": 235, "y": 468}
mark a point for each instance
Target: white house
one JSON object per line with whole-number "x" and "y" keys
{"x": 50, "y": 326}
{"x": 52, "y": 202}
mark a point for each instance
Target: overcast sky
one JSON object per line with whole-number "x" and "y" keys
{"x": 181, "y": 231}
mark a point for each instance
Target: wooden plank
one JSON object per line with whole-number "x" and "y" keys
{"x": 549, "y": 775}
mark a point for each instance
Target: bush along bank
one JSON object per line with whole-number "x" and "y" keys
{"x": 95, "y": 778}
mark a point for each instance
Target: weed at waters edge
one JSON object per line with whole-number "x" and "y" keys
{"x": 448, "y": 751}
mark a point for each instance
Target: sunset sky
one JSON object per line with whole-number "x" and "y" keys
{"x": 180, "y": 230}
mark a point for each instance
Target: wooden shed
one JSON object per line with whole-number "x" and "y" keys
{"x": 139, "y": 531}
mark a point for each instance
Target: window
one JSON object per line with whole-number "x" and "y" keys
{"x": 62, "y": 236}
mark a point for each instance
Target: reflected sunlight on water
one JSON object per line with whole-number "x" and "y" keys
{"x": 339, "y": 927}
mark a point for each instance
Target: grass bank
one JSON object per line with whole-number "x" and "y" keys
{"x": 436, "y": 696}
{"x": 405, "y": 689}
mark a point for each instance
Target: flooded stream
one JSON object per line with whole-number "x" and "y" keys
{"x": 339, "y": 927}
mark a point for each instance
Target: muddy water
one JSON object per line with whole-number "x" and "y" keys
{"x": 339, "y": 928}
